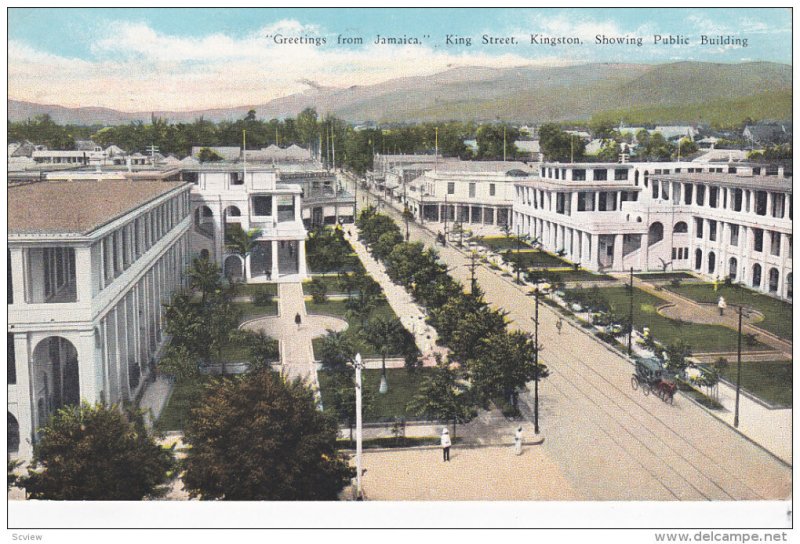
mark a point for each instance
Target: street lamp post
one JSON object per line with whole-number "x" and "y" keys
{"x": 536, "y": 364}
{"x": 630, "y": 315}
{"x": 358, "y": 366}
{"x": 738, "y": 369}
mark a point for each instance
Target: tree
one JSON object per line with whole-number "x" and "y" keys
{"x": 496, "y": 141}
{"x": 385, "y": 334}
{"x": 222, "y": 327}
{"x": 183, "y": 322}
{"x": 263, "y": 349}
{"x": 386, "y": 243}
{"x": 445, "y": 395}
{"x": 343, "y": 398}
{"x": 336, "y": 350}
{"x": 258, "y": 437}
{"x": 557, "y": 145}
{"x": 241, "y": 243}
{"x": 180, "y": 362}
{"x": 503, "y": 365}
{"x": 208, "y": 155}
{"x": 675, "y": 355}
{"x": 318, "y": 290}
{"x": 205, "y": 276}
{"x": 94, "y": 452}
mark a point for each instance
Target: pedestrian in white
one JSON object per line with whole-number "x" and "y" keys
{"x": 446, "y": 445}
{"x": 559, "y": 324}
{"x": 518, "y": 441}
{"x": 722, "y": 305}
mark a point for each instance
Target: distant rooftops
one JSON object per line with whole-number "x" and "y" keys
{"x": 273, "y": 153}
{"x": 77, "y": 207}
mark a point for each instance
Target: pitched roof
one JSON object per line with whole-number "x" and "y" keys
{"x": 77, "y": 207}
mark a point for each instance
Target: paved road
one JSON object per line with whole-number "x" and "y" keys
{"x": 612, "y": 443}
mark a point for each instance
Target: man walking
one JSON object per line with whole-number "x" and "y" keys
{"x": 559, "y": 324}
{"x": 446, "y": 445}
{"x": 297, "y": 320}
{"x": 518, "y": 441}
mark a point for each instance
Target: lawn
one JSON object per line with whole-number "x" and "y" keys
{"x": 184, "y": 394}
{"x": 331, "y": 282}
{"x": 768, "y": 380}
{"x": 579, "y": 275}
{"x": 251, "y": 289}
{"x": 701, "y": 338}
{"x": 352, "y": 263}
{"x": 777, "y": 314}
{"x": 664, "y": 276}
{"x": 532, "y": 258}
{"x": 403, "y": 385}
{"x": 500, "y": 243}
{"x": 251, "y": 311}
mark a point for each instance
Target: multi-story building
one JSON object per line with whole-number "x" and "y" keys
{"x": 720, "y": 220}
{"x": 248, "y": 196}
{"x": 90, "y": 264}
{"x": 467, "y": 192}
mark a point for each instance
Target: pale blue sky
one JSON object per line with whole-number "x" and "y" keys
{"x": 114, "y": 57}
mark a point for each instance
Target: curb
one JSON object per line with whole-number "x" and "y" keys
{"x": 537, "y": 442}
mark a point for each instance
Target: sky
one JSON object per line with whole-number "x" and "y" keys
{"x": 140, "y": 59}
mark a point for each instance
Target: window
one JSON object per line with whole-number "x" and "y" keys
{"x": 560, "y": 202}
{"x": 775, "y": 243}
{"x": 11, "y": 357}
{"x": 262, "y": 205}
{"x": 599, "y": 175}
{"x": 712, "y": 231}
{"x": 737, "y": 200}
{"x": 655, "y": 189}
{"x": 237, "y": 178}
{"x": 734, "y": 235}
{"x": 471, "y": 190}
{"x": 761, "y": 203}
{"x": 585, "y": 201}
{"x": 701, "y": 195}
{"x": 578, "y": 174}
{"x": 687, "y": 194}
{"x": 777, "y": 205}
{"x": 698, "y": 227}
{"x": 758, "y": 240}
{"x": 713, "y": 194}
{"x": 620, "y": 174}
{"x": 680, "y": 228}
{"x": 451, "y": 187}
{"x": 491, "y": 189}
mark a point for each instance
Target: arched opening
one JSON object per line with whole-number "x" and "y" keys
{"x": 756, "y": 275}
{"x": 204, "y": 221}
{"x": 13, "y": 434}
{"x": 646, "y": 177}
{"x": 733, "y": 266}
{"x": 774, "y": 277}
{"x": 55, "y": 376}
{"x": 655, "y": 233}
{"x": 698, "y": 259}
{"x": 712, "y": 262}
{"x": 233, "y": 268}
{"x": 204, "y": 254}
{"x": 680, "y": 228}
{"x": 636, "y": 178}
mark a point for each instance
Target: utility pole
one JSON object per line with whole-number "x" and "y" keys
{"x": 630, "y": 314}
{"x": 473, "y": 264}
{"x": 571, "y": 149}
{"x": 738, "y": 369}
{"x": 504, "y": 143}
{"x": 358, "y": 366}
{"x": 244, "y": 156}
{"x": 446, "y": 214}
{"x": 436, "y": 154}
{"x": 536, "y": 364}
{"x": 153, "y": 150}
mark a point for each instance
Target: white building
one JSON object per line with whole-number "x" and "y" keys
{"x": 90, "y": 264}
{"x": 719, "y": 220}
{"x": 467, "y": 192}
{"x": 251, "y": 197}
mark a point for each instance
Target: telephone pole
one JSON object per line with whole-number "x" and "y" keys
{"x": 630, "y": 314}
{"x": 738, "y": 369}
{"x": 536, "y": 364}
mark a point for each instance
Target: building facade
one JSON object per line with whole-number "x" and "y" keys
{"x": 229, "y": 196}
{"x": 90, "y": 264}
{"x": 719, "y": 220}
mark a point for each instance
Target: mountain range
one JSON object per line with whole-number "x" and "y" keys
{"x": 677, "y": 92}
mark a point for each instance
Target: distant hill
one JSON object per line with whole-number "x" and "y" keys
{"x": 675, "y": 92}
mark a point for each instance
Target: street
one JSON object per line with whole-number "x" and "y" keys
{"x": 608, "y": 441}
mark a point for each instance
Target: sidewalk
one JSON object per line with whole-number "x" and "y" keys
{"x": 155, "y": 398}
{"x": 409, "y": 312}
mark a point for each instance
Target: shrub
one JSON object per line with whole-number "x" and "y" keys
{"x": 262, "y": 298}
{"x": 675, "y": 282}
{"x": 319, "y": 291}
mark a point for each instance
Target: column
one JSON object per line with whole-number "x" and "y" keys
{"x": 247, "y": 273}
{"x": 301, "y": 258}
{"x": 274, "y": 245}
{"x": 24, "y": 399}
{"x": 617, "y": 263}
{"x": 87, "y": 367}
{"x": 593, "y": 251}
{"x": 641, "y": 262}
{"x": 18, "y": 267}
{"x": 83, "y": 274}
{"x": 297, "y": 212}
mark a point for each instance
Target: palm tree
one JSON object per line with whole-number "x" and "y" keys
{"x": 204, "y": 275}
{"x": 242, "y": 243}
{"x": 384, "y": 333}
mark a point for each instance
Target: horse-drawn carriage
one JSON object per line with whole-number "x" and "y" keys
{"x": 651, "y": 377}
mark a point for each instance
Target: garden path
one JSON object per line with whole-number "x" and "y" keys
{"x": 297, "y": 354}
